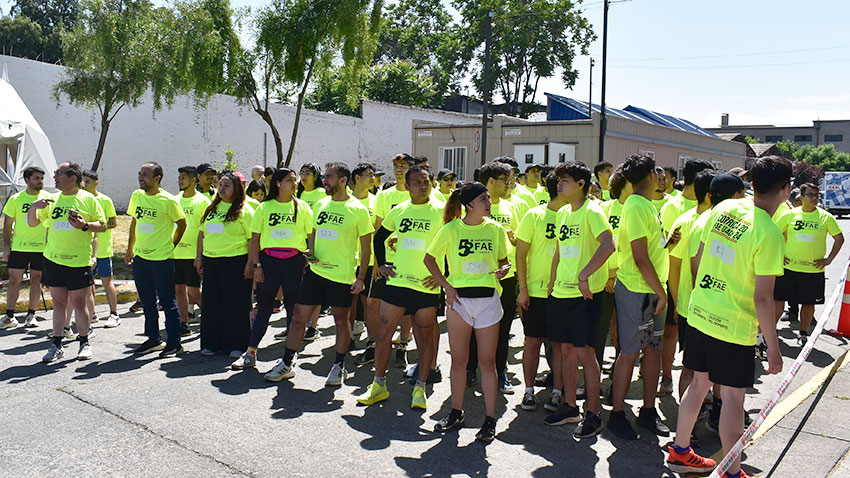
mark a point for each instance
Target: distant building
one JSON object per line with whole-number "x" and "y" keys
{"x": 836, "y": 132}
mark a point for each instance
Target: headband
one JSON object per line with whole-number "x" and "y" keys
{"x": 467, "y": 195}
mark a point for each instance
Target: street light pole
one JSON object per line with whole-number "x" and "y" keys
{"x": 487, "y": 35}
{"x": 602, "y": 119}
{"x": 590, "y": 94}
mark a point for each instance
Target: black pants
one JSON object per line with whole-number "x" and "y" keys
{"x": 226, "y": 304}
{"x": 508, "y": 299}
{"x": 277, "y": 273}
{"x": 604, "y": 325}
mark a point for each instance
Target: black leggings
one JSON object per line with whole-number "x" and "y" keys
{"x": 226, "y": 304}
{"x": 277, "y": 273}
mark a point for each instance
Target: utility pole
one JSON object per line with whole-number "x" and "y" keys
{"x": 590, "y": 94}
{"x": 602, "y": 119}
{"x": 487, "y": 35}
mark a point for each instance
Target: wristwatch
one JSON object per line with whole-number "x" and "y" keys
{"x": 257, "y": 265}
{"x": 85, "y": 227}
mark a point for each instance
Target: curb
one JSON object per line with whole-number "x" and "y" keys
{"x": 23, "y": 305}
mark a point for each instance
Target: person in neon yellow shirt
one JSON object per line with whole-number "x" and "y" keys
{"x": 103, "y": 268}
{"x": 206, "y": 178}
{"x": 280, "y": 229}
{"x": 72, "y": 217}
{"x": 671, "y": 176}
{"x": 150, "y": 246}
{"x": 737, "y": 262}
{"x": 520, "y": 204}
{"x": 447, "y": 180}
{"x": 659, "y": 197}
{"x": 577, "y": 279}
{"x": 341, "y": 225}
{"x": 23, "y": 247}
{"x": 309, "y": 186}
{"x": 410, "y": 289}
{"x": 534, "y": 183}
{"x": 640, "y": 296}
{"x": 187, "y": 281}
{"x": 803, "y": 281}
{"x": 475, "y": 248}
{"x": 535, "y": 248}
{"x": 222, "y": 261}
{"x": 603, "y": 171}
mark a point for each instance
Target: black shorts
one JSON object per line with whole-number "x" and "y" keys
{"x": 316, "y": 290}
{"x": 727, "y": 364}
{"x": 574, "y": 320}
{"x": 534, "y": 319}
{"x": 376, "y": 289}
{"x": 71, "y": 278}
{"x": 683, "y": 331}
{"x": 25, "y": 260}
{"x": 411, "y": 300}
{"x": 804, "y": 288}
{"x": 185, "y": 273}
{"x": 670, "y": 318}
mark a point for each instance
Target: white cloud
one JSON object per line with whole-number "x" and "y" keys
{"x": 820, "y": 100}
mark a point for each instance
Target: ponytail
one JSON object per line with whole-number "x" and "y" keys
{"x": 453, "y": 207}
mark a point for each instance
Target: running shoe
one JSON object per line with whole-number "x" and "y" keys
{"x": 311, "y": 334}
{"x": 435, "y": 375}
{"x": 665, "y": 387}
{"x": 581, "y": 394}
{"x": 688, "y": 462}
{"x": 555, "y": 402}
{"x": 280, "y": 372}
{"x": 276, "y": 306}
{"x": 563, "y": 415}
{"x": 648, "y": 418}
{"x": 417, "y": 399}
{"x": 94, "y": 319}
{"x": 247, "y": 360}
{"x": 590, "y": 426}
{"x": 235, "y": 354}
{"x": 620, "y": 426}
{"x": 374, "y": 393}
{"x": 112, "y": 321}
{"x": 337, "y": 376}
{"x": 401, "y": 355}
{"x": 281, "y": 335}
{"x": 742, "y": 475}
{"x": 53, "y": 353}
{"x": 85, "y": 352}
{"x": 545, "y": 380}
{"x": 761, "y": 352}
{"x": 802, "y": 339}
{"x": 69, "y": 333}
{"x": 452, "y": 421}
{"x": 367, "y": 357}
{"x": 185, "y": 330}
{"x": 30, "y": 321}
{"x": 505, "y": 386}
{"x": 171, "y": 350}
{"x": 136, "y": 308}
{"x": 207, "y": 352}
{"x": 359, "y": 328}
{"x": 488, "y": 430}
{"x": 9, "y": 323}
{"x": 92, "y": 334}
{"x": 149, "y": 345}
{"x": 529, "y": 402}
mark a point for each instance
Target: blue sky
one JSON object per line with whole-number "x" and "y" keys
{"x": 762, "y": 61}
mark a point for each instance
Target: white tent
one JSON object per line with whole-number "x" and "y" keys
{"x": 21, "y": 138}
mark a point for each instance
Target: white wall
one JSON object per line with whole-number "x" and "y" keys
{"x": 183, "y": 136}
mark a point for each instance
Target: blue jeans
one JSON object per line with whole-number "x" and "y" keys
{"x": 156, "y": 278}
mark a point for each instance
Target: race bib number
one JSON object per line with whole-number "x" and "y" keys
{"x": 413, "y": 244}
{"x": 215, "y": 228}
{"x": 550, "y": 250}
{"x": 145, "y": 228}
{"x": 282, "y": 233}
{"x": 804, "y": 237}
{"x": 62, "y": 226}
{"x": 663, "y": 242}
{"x": 722, "y": 252}
{"x": 327, "y": 234}
{"x": 476, "y": 267}
{"x": 570, "y": 251}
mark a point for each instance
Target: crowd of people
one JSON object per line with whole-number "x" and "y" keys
{"x": 625, "y": 254}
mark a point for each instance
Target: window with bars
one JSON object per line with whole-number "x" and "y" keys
{"x": 454, "y": 158}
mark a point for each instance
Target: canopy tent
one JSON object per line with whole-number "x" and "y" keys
{"x": 22, "y": 141}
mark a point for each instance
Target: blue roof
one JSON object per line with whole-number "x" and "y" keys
{"x": 563, "y": 108}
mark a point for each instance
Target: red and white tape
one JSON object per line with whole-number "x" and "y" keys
{"x": 742, "y": 442}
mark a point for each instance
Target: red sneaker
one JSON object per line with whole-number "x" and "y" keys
{"x": 742, "y": 475}
{"x": 689, "y": 462}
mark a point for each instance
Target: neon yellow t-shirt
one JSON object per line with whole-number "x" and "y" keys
{"x": 252, "y": 203}
{"x": 520, "y": 205}
{"x": 681, "y": 251}
{"x": 155, "y": 217}
{"x": 541, "y": 195}
{"x": 369, "y": 201}
{"x": 640, "y": 219}
{"x": 606, "y": 195}
{"x": 226, "y": 239}
{"x": 472, "y": 252}
{"x": 780, "y": 211}
{"x": 805, "y": 237}
{"x": 525, "y": 194}
{"x": 385, "y": 201}
{"x": 274, "y": 222}
{"x": 740, "y": 242}
{"x": 67, "y": 245}
{"x": 338, "y": 227}
{"x": 312, "y": 197}
{"x": 24, "y": 237}
{"x": 505, "y": 214}
{"x": 674, "y": 208}
{"x": 613, "y": 210}
{"x": 416, "y": 226}
{"x": 439, "y": 195}
{"x": 193, "y": 209}
{"x": 577, "y": 233}
{"x": 659, "y": 203}
{"x": 675, "y": 193}
{"x": 538, "y": 229}
{"x": 104, "y": 239}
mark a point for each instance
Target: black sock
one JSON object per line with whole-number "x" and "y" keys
{"x": 84, "y": 339}
{"x": 455, "y": 414}
{"x": 10, "y": 313}
{"x": 340, "y": 358}
{"x": 30, "y": 311}
{"x": 288, "y": 353}
{"x": 57, "y": 341}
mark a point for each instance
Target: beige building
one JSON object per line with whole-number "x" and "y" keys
{"x": 457, "y": 146}
{"x": 836, "y": 132}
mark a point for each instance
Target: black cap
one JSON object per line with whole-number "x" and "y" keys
{"x": 446, "y": 172}
{"x": 204, "y": 167}
{"x": 532, "y": 166}
{"x": 726, "y": 184}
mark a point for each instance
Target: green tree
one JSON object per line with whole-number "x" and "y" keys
{"x": 120, "y": 49}
{"x": 751, "y": 140}
{"x": 531, "y": 39}
{"x": 824, "y": 156}
{"x": 52, "y": 16}
{"x": 21, "y": 37}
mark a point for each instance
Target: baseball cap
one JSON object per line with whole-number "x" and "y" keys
{"x": 240, "y": 176}
{"x": 532, "y": 166}
{"x": 726, "y": 184}
{"x": 204, "y": 167}
{"x": 445, "y": 173}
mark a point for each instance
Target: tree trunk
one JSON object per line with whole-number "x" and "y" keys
{"x": 278, "y": 143}
{"x": 298, "y": 115}
{"x": 104, "y": 129}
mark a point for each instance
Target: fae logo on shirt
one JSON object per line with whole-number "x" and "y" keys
{"x": 568, "y": 232}
{"x": 469, "y": 246}
{"x": 25, "y": 207}
{"x": 614, "y": 221}
{"x": 59, "y": 211}
{"x": 800, "y": 225}
{"x": 277, "y": 218}
{"x": 712, "y": 283}
{"x": 330, "y": 217}
{"x": 550, "y": 231}
{"x": 144, "y": 212}
{"x": 217, "y": 216}
{"x": 418, "y": 225}
{"x": 502, "y": 219}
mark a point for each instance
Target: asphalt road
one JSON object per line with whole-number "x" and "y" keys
{"x": 126, "y": 415}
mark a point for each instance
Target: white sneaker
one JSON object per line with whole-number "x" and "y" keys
{"x": 196, "y": 315}
{"x": 69, "y": 333}
{"x": 207, "y": 352}
{"x": 247, "y": 360}
{"x": 31, "y": 321}
{"x": 85, "y": 352}
{"x": 280, "y": 372}
{"x": 235, "y": 354}
{"x": 92, "y": 333}
{"x": 112, "y": 321}
{"x": 53, "y": 354}
{"x": 95, "y": 319}
{"x": 337, "y": 376}
{"x": 9, "y": 323}
{"x": 359, "y": 328}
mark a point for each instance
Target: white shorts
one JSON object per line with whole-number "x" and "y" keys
{"x": 479, "y": 312}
